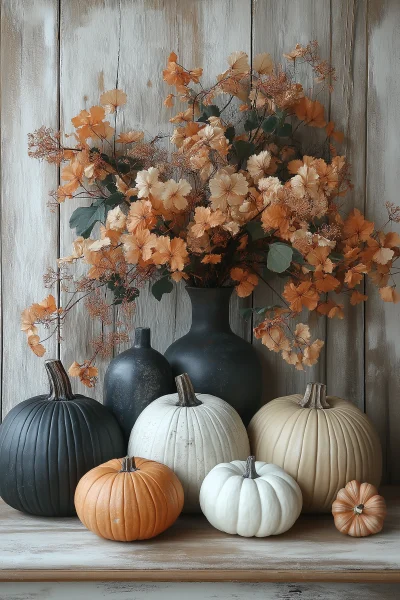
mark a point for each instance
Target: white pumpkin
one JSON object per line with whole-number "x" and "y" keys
{"x": 250, "y": 498}
{"x": 323, "y": 442}
{"x": 190, "y": 433}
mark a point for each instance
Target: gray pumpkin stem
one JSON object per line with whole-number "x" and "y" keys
{"x": 250, "y": 472}
{"x": 186, "y": 394}
{"x": 60, "y": 385}
{"x": 128, "y": 465}
{"x": 315, "y": 396}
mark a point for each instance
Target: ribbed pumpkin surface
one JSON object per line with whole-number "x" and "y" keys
{"x": 322, "y": 449}
{"x": 127, "y": 506}
{"x": 190, "y": 440}
{"x": 46, "y": 446}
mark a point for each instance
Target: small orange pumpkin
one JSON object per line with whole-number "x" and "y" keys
{"x": 124, "y": 500}
{"x": 358, "y": 510}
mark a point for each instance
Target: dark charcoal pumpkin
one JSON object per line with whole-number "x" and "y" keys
{"x": 47, "y": 443}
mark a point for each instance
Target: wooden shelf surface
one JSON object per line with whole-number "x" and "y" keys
{"x": 42, "y": 549}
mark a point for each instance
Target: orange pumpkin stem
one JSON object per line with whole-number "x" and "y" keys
{"x": 128, "y": 465}
{"x": 60, "y": 385}
{"x": 186, "y": 394}
{"x": 250, "y": 472}
{"x": 315, "y": 396}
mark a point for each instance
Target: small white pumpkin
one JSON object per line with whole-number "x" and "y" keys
{"x": 250, "y": 498}
{"x": 190, "y": 433}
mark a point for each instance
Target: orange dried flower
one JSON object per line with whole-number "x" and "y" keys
{"x": 247, "y": 281}
{"x": 300, "y": 296}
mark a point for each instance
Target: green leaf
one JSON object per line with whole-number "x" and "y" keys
{"x": 269, "y": 125}
{"x": 84, "y": 218}
{"x": 336, "y": 256}
{"x": 209, "y": 111}
{"x": 279, "y": 257}
{"x": 110, "y": 183}
{"x": 255, "y": 230}
{"x": 252, "y": 121}
{"x": 161, "y": 287}
{"x": 243, "y": 150}
{"x": 246, "y": 313}
{"x": 114, "y": 200}
{"x": 285, "y": 130}
{"x": 230, "y": 133}
{"x": 297, "y": 257}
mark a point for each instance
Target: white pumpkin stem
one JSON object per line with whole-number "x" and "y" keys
{"x": 186, "y": 394}
{"x": 60, "y": 385}
{"x": 315, "y": 396}
{"x": 128, "y": 465}
{"x": 250, "y": 472}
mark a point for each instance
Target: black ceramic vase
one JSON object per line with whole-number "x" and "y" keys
{"x": 218, "y": 362}
{"x": 135, "y": 378}
{"x": 47, "y": 443}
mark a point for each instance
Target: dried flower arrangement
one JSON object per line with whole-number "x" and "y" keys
{"x": 234, "y": 202}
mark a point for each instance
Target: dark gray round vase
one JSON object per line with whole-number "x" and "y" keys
{"x": 135, "y": 378}
{"x": 218, "y": 361}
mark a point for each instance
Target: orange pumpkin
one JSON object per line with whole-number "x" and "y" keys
{"x": 124, "y": 500}
{"x": 358, "y": 510}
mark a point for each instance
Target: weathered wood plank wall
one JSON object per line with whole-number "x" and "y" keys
{"x": 58, "y": 55}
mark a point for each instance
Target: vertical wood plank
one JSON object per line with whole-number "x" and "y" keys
{"x": 278, "y": 26}
{"x": 345, "y": 338}
{"x": 194, "y": 30}
{"x": 89, "y": 52}
{"x": 29, "y": 63}
{"x": 382, "y": 331}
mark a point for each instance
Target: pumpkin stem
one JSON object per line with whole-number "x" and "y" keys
{"x": 60, "y": 385}
{"x": 358, "y": 509}
{"x": 128, "y": 465}
{"x": 315, "y": 396}
{"x": 250, "y": 472}
{"x": 186, "y": 394}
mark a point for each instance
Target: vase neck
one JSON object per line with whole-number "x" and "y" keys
{"x": 142, "y": 337}
{"x": 210, "y": 309}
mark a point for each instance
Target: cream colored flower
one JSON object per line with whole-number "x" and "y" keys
{"x": 148, "y": 184}
{"x": 97, "y": 245}
{"x": 305, "y": 182}
{"x": 263, "y": 64}
{"x": 116, "y": 219}
{"x": 239, "y": 62}
{"x": 270, "y": 188}
{"x": 173, "y": 195}
{"x": 79, "y": 246}
{"x": 258, "y": 164}
{"x": 227, "y": 190}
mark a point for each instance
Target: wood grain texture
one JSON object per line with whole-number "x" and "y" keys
{"x": 89, "y": 50}
{"x": 348, "y": 101}
{"x": 278, "y": 26}
{"x": 29, "y": 66}
{"x": 197, "y": 591}
{"x": 36, "y": 549}
{"x": 382, "y": 326}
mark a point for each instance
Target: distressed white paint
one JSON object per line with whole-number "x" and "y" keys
{"x": 192, "y": 545}
{"x": 198, "y": 591}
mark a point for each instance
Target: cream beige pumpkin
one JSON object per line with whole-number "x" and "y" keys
{"x": 322, "y": 442}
